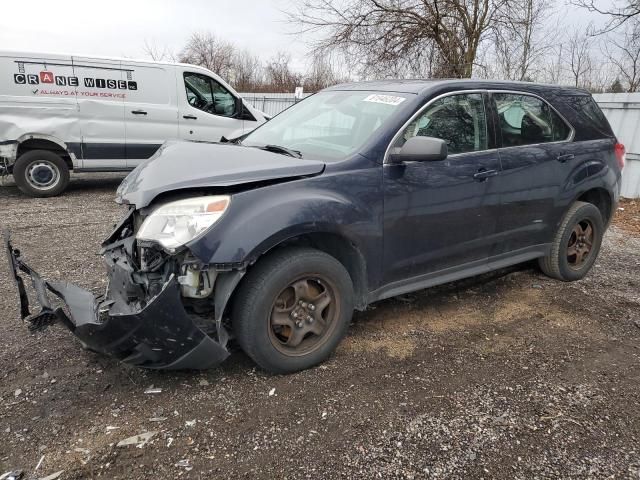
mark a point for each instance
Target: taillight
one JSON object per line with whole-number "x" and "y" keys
{"x": 621, "y": 154}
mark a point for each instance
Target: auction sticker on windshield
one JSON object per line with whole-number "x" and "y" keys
{"x": 386, "y": 99}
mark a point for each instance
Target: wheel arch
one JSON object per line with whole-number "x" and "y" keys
{"x": 339, "y": 247}
{"x": 602, "y": 199}
{"x": 30, "y": 142}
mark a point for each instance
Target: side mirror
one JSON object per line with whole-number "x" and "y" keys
{"x": 239, "y": 104}
{"x": 421, "y": 149}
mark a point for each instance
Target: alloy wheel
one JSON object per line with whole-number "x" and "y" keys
{"x": 304, "y": 315}
{"x": 580, "y": 244}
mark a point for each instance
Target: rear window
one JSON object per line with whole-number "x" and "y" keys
{"x": 589, "y": 111}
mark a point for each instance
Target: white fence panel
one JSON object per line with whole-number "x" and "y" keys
{"x": 271, "y": 103}
{"x": 623, "y": 112}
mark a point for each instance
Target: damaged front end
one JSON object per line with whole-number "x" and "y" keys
{"x": 160, "y": 310}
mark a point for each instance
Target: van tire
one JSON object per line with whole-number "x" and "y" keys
{"x": 311, "y": 291}
{"x": 561, "y": 263}
{"x": 41, "y": 173}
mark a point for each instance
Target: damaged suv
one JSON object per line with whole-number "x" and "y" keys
{"x": 359, "y": 193}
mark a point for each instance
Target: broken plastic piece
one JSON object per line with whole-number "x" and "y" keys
{"x": 138, "y": 440}
{"x": 14, "y": 475}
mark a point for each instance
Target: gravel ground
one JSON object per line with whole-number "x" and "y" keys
{"x": 510, "y": 375}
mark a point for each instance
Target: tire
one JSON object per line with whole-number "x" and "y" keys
{"x": 272, "y": 311}
{"x": 41, "y": 173}
{"x": 567, "y": 260}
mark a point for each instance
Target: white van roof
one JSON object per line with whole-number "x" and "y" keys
{"x": 23, "y": 54}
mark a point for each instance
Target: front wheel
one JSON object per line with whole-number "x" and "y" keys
{"x": 293, "y": 309}
{"x": 41, "y": 173}
{"x": 576, "y": 245}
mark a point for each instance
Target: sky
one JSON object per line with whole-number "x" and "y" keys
{"x": 120, "y": 28}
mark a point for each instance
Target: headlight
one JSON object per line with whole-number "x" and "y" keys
{"x": 177, "y": 223}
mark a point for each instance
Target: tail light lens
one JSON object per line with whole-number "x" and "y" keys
{"x": 621, "y": 154}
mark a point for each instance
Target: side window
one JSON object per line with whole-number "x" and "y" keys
{"x": 206, "y": 94}
{"x": 460, "y": 120}
{"x": 526, "y": 120}
{"x": 587, "y": 108}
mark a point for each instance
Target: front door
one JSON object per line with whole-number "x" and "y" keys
{"x": 207, "y": 109}
{"x": 442, "y": 215}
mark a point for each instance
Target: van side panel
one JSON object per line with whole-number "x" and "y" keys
{"x": 151, "y": 113}
{"x": 38, "y": 100}
{"x": 102, "y": 88}
{"x": 108, "y": 114}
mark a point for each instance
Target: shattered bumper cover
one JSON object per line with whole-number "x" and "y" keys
{"x": 159, "y": 334}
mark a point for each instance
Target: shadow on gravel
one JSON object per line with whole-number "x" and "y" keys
{"x": 79, "y": 183}
{"x": 90, "y": 183}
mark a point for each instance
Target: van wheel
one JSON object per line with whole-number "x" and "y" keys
{"x": 576, "y": 245}
{"x": 41, "y": 173}
{"x": 292, "y": 309}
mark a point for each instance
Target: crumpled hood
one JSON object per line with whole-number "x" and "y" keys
{"x": 182, "y": 165}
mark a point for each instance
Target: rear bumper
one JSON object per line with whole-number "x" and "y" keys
{"x": 156, "y": 334}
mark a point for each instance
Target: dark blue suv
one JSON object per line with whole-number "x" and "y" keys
{"x": 359, "y": 193}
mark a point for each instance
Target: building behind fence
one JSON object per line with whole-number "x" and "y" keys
{"x": 622, "y": 110}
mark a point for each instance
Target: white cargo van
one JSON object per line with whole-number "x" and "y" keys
{"x": 62, "y": 112}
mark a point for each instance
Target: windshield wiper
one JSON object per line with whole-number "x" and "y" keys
{"x": 283, "y": 150}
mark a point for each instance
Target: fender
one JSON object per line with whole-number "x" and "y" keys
{"x": 592, "y": 174}
{"x": 259, "y": 220}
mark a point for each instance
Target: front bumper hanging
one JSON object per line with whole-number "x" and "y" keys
{"x": 157, "y": 334}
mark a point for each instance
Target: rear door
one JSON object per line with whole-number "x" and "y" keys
{"x": 101, "y": 91}
{"x": 442, "y": 215}
{"x": 208, "y": 109}
{"x": 151, "y": 114}
{"x": 537, "y": 158}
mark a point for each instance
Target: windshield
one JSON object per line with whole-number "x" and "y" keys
{"x": 329, "y": 125}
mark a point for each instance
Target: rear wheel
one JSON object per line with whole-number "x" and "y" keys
{"x": 576, "y": 245}
{"x": 41, "y": 173}
{"x": 293, "y": 309}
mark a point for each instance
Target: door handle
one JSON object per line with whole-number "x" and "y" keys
{"x": 139, "y": 112}
{"x": 565, "y": 158}
{"x": 483, "y": 174}
{"x": 189, "y": 117}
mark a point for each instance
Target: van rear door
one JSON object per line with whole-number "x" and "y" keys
{"x": 150, "y": 110}
{"x": 102, "y": 87}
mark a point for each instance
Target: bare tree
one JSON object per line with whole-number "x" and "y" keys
{"x": 247, "y": 72}
{"x": 206, "y": 50}
{"x": 623, "y": 52}
{"x": 157, "y": 53}
{"x": 618, "y": 11}
{"x": 414, "y": 36}
{"x": 279, "y": 75}
{"x": 616, "y": 87}
{"x": 321, "y": 74}
{"x": 522, "y": 38}
{"x": 553, "y": 64}
{"x": 579, "y": 56}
